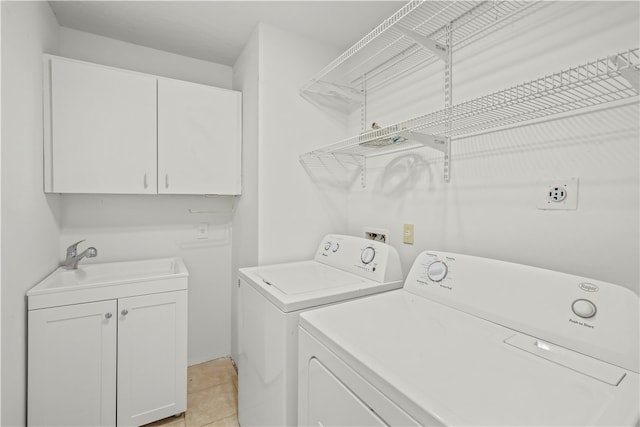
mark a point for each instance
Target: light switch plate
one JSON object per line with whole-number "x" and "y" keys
{"x": 407, "y": 234}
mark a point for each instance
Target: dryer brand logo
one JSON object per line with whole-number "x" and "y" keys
{"x": 589, "y": 287}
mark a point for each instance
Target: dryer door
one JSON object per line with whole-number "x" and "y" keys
{"x": 333, "y": 404}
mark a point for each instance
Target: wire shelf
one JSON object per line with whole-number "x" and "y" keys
{"x": 387, "y": 54}
{"x": 595, "y": 83}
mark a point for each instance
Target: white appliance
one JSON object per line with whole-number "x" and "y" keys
{"x": 474, "y": 341}
{"x": 271, "y": 299}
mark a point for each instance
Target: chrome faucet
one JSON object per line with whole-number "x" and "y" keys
{"x": 73, "y": 258}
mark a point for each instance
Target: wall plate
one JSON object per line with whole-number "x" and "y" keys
{"x": 407, "y": 234}
{"x": 202, "y": 231}
{"x": 378, "y": 234}
{"x": 558, "y": 194}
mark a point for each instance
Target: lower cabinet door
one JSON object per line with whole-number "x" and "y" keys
{"x": 152, "y": 357}
{"x": 72, "y": 365}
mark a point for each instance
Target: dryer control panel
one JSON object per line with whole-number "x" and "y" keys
{"x": 589, "y": 316}
{"x": 367, "y": 258}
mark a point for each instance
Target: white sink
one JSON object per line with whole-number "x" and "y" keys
{"x": 97, "y": 282}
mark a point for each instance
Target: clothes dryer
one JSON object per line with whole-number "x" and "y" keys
{"x": 473, "y": 341}
{"x": 271, "y": 299}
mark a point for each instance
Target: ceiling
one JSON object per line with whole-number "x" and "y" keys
{"x": 217, "y": 31}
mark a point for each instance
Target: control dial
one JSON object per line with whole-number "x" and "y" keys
{"x": 584, "y": 308}
{"x": 368, "y": 254}
{"x": 327, "y": 246}
{"x": 437, "y": 271}
{"x": 335, "y": 246}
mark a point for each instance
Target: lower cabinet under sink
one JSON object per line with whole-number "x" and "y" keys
{"x": 118, "y": 361}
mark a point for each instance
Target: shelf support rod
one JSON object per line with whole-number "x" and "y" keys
{"x": 438, "y": 49}
{"x": 627, "y": 71}
{"x": 448, "y": 101}
{"x": 363, "y": 171}
{"x": 363, "y": 105}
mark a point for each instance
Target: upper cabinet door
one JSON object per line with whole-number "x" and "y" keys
{"x": 199, "y": 139}
{"x": 100, "y": 129}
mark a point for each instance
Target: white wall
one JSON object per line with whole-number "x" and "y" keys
{"x": 245, "y": 220}
{"x": 138, "y": 227}
{"x": 29, "y": 225}
{"x": 490, "y": 206}
{"x": 294, "y": 213}
{"x": 103, "y": 50}
{"x": 0, "y": 229}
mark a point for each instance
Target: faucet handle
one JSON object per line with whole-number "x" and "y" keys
{"x": 74, "y": 247}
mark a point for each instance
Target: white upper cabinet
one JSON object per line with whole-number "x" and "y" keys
{"x": 199, "y": 138}
{"x": 102, "y": 133}
{"x": 116, "y": 131}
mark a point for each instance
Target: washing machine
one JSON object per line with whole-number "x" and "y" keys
{"x": 271, "y": 299}
{"x": 473, "y": 341}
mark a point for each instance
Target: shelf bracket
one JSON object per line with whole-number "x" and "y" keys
{"x": 627, "y": 70}
{"x": 438, "y": 49}
{"x": 437, "y": 142}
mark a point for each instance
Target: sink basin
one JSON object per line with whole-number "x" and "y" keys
{"x": 97, "y": 282}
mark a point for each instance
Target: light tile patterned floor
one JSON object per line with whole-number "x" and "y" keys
{"x": 212, "y": 397}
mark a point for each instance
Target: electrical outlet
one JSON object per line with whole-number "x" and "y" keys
{"x": 202, "y": 231}
{"x": 407, "y": 234}
{"x": 558, "y": 194}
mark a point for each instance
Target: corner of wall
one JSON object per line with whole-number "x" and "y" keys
{"x": 30, "y": 219}
{"x": 245, "y": 220}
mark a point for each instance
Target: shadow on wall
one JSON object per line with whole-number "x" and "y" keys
{"x": 332, "y": 105}
{"x": 332, "y": 171}
{"x": 401, "y": 175}
{"x": 605, "y": 125}
{"x": 341, "y": 172}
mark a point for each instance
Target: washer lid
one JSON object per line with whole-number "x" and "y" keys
{"x": 443, "y": 366}
{"x": 306, "y": 284}
{"x": 303, "y": 278}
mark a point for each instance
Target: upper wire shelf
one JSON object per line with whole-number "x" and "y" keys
{"x": 598, "y": 82}
{"x": 387, "y": 53}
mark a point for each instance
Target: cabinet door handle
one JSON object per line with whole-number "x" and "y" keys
{"x": 124, "y": 312}
{"x": 166, "y": 180}
{"x": 146, "y": 184}
{"x": 108, "y": 316}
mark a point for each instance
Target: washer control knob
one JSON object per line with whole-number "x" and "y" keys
{"x": 584, "y": 308}
{"x": 327, "y": 246}
{"x": 335, "y": 246}
{"x": 437, "y": 271}
{"x": 368, "y": 254}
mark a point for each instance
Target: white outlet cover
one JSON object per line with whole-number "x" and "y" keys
{"x": 569, "y": 203}
{"x": 202, "y": 230}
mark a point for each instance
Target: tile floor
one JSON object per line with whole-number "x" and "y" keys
{"x": 212, "y": 397}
